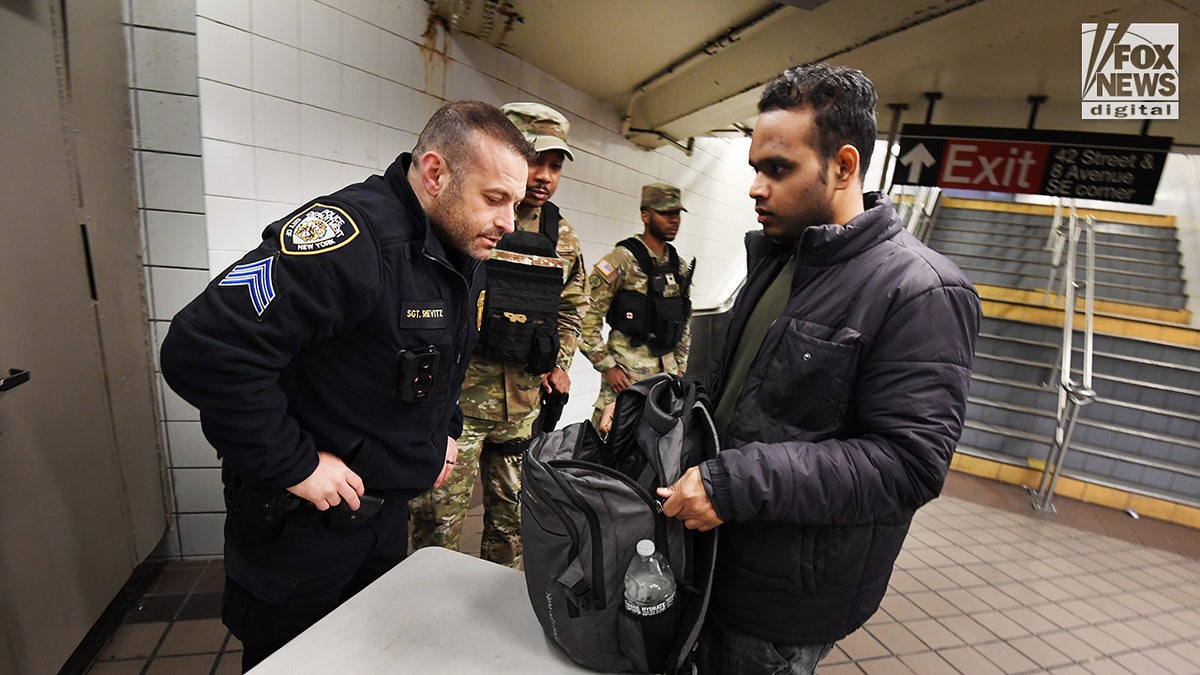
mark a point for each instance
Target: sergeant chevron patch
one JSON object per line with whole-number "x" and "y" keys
{"x": 256, "y": 277}
{"x": 318, "y": 229}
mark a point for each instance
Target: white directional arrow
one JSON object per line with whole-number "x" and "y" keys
{"x": 916, "y": 159}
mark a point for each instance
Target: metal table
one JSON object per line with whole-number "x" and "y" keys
{"x": 439, "y": 611}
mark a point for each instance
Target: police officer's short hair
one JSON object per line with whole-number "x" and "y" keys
{"x": 448, "y": 132}
{"x": 843, "y": 104}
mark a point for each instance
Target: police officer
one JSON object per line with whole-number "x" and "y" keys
{"x": 642, "y": 289}
{"x": 531, "y": 315}
{"x": 326, "y": 364}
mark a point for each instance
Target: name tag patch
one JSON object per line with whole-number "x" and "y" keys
{"x": 319, "y": 229}
{"x": 422, "y": 314}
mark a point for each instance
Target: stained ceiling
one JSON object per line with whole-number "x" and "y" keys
{"x": 677, "y": 69}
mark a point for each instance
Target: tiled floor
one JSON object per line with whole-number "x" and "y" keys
{"x": 984, "y": 585}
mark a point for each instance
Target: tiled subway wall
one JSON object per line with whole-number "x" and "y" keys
{"x": 244, "y": 110}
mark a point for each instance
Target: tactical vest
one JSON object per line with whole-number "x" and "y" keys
{"x": 519, "y": 312}
{"x": 653, "y": 319}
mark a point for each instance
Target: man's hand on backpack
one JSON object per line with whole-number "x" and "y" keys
{"x": 687, "y": 501}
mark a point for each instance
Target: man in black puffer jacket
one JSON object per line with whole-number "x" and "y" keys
{"x": 840, "y": 394}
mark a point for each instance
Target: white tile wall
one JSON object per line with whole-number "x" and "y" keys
{"x": 198, "y": 490}
{"x": 235, "y": 14}
{"x": 277, "y": 20}
{"x": 188, "y": 447}
{"x": 223, "y": 52}
{"x": 172, "y": 288}
{"x": 171, "y": 182}
{"x": 178, "y": 16}
{"x": 276, "y": 68}
{"x": 227, "y": 113}
{"x": 276, "y": 123}
{"x": 298, "y": 98}
{"x": 168, "y": 122}
{"x": 232, "y": 223}
{"x": 176, "y": 239}
{"x": 321, "y": 29}
{"x": 164, "y": 60}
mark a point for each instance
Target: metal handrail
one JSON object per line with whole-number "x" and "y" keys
{"x": 1054, "y": 244}
{"x": 917, "y": 213}
{"x": 1071, "y": 395}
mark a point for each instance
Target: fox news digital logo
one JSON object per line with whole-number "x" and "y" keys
{"x": 1130, "y": 71}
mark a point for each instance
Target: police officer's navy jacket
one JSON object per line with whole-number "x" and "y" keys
{"x": 295, "y": 348}
{"x": 845, "y": 424}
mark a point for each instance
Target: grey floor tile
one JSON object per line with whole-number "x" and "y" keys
{"x": 1170, "y": 660}
{"x": 928, "y": 663}
{"x": 1039, "y": 651}
{"x": 1007, "y": 658}
{"x": 1031, "y": 620}
{"x": 890, "y": 665}
{"x": 967, "y": 629}
{"x": 933, "y": 604}
{"x": 861, "y": 645}
{"x": 1072, "y": 645}
{"x": 1128, "y": 636}
{"x": 896, "y": 638}
{"x": 901, "y": 608}
{"x": 933, "y": 633}
{"x": 968, "y": 660}
{"x": 1142, "y": 664}
{"x": 968, "y": 601}
{"x": 903, "y": 581}
{"x": 1099, "y": 640}
{"x": 999, "y": 624}
{"x": 847, "y": 668}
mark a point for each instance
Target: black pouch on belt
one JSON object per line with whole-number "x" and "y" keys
{"x": 515, "y": 447}
{"x": 257, "y": 515}
{"x": 342, "y": 518}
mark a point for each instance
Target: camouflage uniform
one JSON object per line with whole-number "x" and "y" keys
{"x": 500, "y": 402}
{"x": 618, "y": 271}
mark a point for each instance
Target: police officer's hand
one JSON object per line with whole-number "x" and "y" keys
{"x": 451, "y": 460}
{"x": 332, "y": 482}
{"x": 617, "y": 379}
{"x": 556, "y": 382}
{"x": 687, "y": 501}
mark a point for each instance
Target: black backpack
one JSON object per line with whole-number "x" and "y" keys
{"x": 585, "y": 503}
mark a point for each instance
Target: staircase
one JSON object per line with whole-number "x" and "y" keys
{"x": 1141, "y": 436}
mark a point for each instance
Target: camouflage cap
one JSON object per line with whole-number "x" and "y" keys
{"x": 542, "y": 125}
{"x": 661, "y": 197}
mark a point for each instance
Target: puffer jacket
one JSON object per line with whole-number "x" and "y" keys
{"x": 844, "y": 427}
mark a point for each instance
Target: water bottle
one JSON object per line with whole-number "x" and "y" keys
{"x": 650, "y": 601}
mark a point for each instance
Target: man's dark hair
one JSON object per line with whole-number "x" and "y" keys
{"x": 843, "y": 104}
{"x": 449, "y": 132}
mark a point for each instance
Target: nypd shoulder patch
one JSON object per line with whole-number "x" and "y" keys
{"x": 317, "y": 229}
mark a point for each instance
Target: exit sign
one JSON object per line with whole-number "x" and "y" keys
{"x": 1108, "y": 167}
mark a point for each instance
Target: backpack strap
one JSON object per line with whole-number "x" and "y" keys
{"x": 641, "y": 253}
{"x": 549, "y": 221}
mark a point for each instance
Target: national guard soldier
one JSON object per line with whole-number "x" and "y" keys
{"x": 642, "y": 288}
{"x": 530, "y": 320}
{"x": 327, "y": 363}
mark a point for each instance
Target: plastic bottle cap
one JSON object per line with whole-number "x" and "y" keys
{"x": 645, "y": 548}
